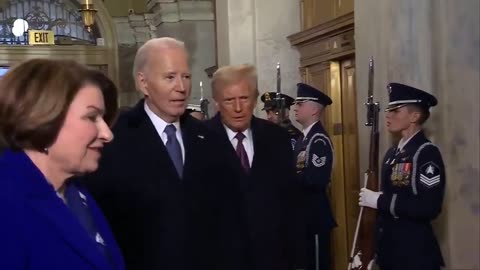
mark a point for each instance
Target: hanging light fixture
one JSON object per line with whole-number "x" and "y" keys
{"x": 88, "y": 14}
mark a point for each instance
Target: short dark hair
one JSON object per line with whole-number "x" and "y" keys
{"x": 34, "y": 100}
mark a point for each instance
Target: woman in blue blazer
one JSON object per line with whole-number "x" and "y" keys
{"x": 53, "y": 125}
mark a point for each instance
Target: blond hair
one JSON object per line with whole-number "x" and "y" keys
{"x": 229, "y": 75}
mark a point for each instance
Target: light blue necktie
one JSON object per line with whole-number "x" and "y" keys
{"x": 174, "y": 149}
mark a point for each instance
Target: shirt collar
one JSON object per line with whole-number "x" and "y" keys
{"x": 305, "y": 131}
{"x": 231, "y": 134}
{"x": 158, "y": 122}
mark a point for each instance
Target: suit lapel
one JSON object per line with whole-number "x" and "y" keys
{"x": 149, "y": 140}
{"x": 41, "y": 198}
{"x": 230, "y": 151}
{"x": 106, "y": 233}
{"x": 258, "y": 145}
{"x": 47, "y": 204}
{"x": 192, "y": 137}
{"x": 70, "y": 229}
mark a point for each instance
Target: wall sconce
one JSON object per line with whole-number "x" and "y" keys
{"x": 88, "y": 14}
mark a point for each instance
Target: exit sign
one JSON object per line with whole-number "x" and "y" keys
{"x": 41, "y": 37}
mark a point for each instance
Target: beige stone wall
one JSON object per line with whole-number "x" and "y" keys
{"x": 190, "y": 21}
{"x": 433, "y": 45}
{"x": 121, "y": 8}
{"x": 193, "y": 23}
{"x": 255, "y": 32}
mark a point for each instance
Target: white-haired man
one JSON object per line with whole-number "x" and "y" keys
{"x": 155, "y": 183}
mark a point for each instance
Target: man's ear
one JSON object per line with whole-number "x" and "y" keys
{"x": 142, "y": 84}
{"x": 415, "y": 116}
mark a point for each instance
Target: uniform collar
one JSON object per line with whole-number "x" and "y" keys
{"x": 403, "y": 142}
{"x": 305, "y": 131}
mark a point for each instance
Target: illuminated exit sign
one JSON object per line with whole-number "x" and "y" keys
{"x": 41, "y": 37}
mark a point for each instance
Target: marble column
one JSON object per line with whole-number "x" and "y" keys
{"x": 433, "y": 45}
{"x": 255, "y": 31}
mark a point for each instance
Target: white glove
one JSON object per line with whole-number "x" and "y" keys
{"x": 357, "y": 262}
{"x": 369, "y": 198}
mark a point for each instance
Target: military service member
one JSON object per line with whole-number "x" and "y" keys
{"x": 314, "y": 159}
{"x": 274, "y": 114}
{"x": 413, "y": 184}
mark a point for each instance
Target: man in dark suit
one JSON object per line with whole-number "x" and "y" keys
{"x": 155, "y": 182}
{"x": 259, "y": 157}
{"x": 314, "y": 154}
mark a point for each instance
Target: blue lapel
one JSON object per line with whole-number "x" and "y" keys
{"x": 43, "y": 199}
{"x": 106, "y": 233}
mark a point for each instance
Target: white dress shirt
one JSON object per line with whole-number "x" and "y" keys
{"x": 247, "y": 142}
{"x": 305, "y": 131}
{"x": 160, "y": 125}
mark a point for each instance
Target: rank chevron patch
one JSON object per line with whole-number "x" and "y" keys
{"x": 429, "y": 182}
{"x": 430, "y": 174}
{"x": 318, "y": 161}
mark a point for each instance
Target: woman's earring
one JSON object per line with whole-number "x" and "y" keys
{"x": 45, "y": 150}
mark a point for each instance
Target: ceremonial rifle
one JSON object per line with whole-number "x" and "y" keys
{"x": 278, "y": 99}
{"x": 363, "y": 247}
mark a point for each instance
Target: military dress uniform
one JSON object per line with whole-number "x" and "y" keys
{"x": 269, "y": 104}
{"x": 413, "y": 184}
{"x": 293, "y": 132}
{"x": 314, "y": 162}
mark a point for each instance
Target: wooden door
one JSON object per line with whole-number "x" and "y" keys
{"x": 337, "y": 79}
{"x": 350, "y": 148}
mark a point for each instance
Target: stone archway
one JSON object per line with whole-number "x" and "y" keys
{"x": 107, "y": 30}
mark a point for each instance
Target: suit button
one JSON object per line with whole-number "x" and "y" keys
{"x": 381, "y": 230}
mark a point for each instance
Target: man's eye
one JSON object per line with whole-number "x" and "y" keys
{"x": 92, "y": 118}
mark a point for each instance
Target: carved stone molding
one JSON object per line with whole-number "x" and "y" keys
{"x": 331, "y": 40}
{"x": 170, "y": 11}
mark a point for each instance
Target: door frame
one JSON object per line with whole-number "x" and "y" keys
{"x": 325, "y": 47}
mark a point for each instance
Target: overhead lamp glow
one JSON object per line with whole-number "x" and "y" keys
{"x": 20, "y": 26}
